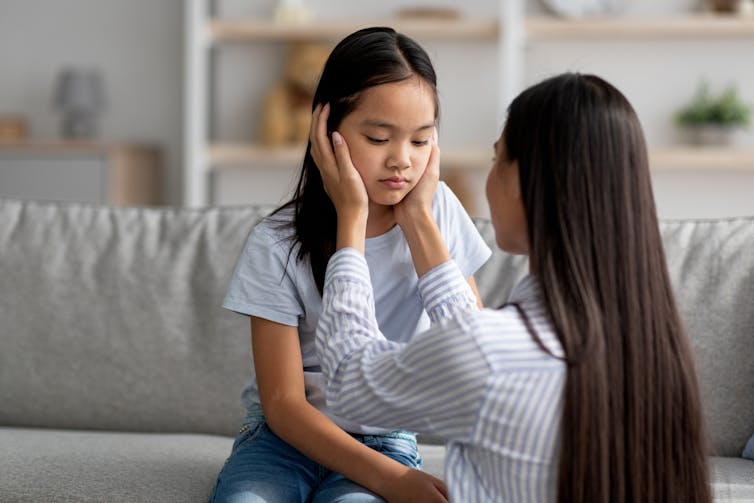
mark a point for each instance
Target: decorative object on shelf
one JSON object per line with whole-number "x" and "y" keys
{"x": 710, "y": 120}
{"x": 584, "y": 8}
{"x": 12, "y": 128}
{"x": 292, "y": 12}
{"x": 288, "y": 105}
{"x": 726, "y": 6}
{"x": 741, "y": 7}
{"x": 745, "y": 7}
{"x": 80, "y": 97}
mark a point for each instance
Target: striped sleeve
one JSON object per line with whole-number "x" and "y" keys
{"x": 445, "y": 292}
{"x": 434, "y": 384}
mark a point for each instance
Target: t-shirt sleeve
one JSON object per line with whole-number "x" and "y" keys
{"x": 263, "y": 282}
{"x": 466, "y": 246}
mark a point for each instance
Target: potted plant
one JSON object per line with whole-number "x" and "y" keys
{"x": 711, "y": 120}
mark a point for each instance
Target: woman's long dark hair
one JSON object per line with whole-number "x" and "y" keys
{"x": 364, "y": 59}
{"x": 632, "y": 425}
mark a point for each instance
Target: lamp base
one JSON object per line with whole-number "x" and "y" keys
{"x": 79, "y": 126}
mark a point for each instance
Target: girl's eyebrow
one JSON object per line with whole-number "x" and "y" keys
{"x": 386, "y": 125}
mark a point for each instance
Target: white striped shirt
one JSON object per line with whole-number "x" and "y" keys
{"x": 475, "y": 378}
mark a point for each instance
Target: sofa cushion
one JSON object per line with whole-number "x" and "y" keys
{"x": 711, "y": 266}
{"x": 68, "y": 466}
{"x": 732, "y": 480}
{"x": 112, "y": 317}
{"x": 76, "y": 466}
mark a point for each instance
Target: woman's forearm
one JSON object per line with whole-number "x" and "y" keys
{"x": 428, "y": 248}
{"x": 352, "y": 229}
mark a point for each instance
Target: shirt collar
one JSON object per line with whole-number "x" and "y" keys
{"x": 527, "y": 289}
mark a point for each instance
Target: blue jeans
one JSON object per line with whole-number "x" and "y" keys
{"x": 263, "y": 468}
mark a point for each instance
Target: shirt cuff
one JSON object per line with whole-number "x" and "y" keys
{"x": 445, "y": 284}
{"x": 348, "y": 264}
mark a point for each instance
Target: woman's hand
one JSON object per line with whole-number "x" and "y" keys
{"x": 417, "y": 486}
{"x": 414, "y": 215}
{"x": 418, "y": 202}
{"x": 342, "y": 182}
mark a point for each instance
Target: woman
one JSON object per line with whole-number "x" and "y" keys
{"x": 581, "y": 388}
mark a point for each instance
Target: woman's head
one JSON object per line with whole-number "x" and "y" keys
{"x": 572, "y": 170}
{"x": 381, "y": 88}
{"x": 578, "y": 149}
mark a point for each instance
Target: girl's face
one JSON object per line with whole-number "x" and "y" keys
{"x": 506, "y": 204}
{"x": 389, "y": 137}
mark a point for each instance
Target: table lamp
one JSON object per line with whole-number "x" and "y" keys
{"x": 80, "y": 97}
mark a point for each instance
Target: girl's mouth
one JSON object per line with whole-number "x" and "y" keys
{"x": 395, "y": 182}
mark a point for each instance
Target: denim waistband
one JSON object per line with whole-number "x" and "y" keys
{"x": 402, "y": 434}
{"x": 254, "y": 414}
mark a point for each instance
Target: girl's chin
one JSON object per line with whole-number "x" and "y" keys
{"x": 389, "y": 199}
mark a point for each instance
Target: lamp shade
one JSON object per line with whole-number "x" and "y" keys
{"x": 79, "y": 89}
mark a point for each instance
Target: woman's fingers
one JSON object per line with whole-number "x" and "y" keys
{"x": 321, "y": 150}
{"x": 349, "y": 179}
{"x": 433, "y": 166}
{"x": 342, "y": 156}
{"x": 341, "y": 180}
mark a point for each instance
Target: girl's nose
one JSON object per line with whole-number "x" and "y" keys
{"x": 399, "y": 158}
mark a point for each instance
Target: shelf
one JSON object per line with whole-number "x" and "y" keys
{"x": 222, "y": 155}
{"x": 661, "y": 159}
{"x": 73, "y": 147}
{"x": 699, "y": 25}
{"x": 250, "y": 30}
{"x": 536, "y": 28}
{"x": 701, "y": 159}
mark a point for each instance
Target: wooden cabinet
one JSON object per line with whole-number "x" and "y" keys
{"x": 106, "y": 173}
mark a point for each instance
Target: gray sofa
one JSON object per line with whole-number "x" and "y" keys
{"x": 120, "y": 373}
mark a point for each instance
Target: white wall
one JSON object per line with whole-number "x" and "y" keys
{"x": 137, "y": 44}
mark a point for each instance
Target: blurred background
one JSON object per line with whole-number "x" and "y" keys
{"x": 194, "y": 102}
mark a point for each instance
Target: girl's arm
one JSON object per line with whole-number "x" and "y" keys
{"x": 279, "y": 369}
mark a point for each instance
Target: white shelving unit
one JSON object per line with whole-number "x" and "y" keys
{"x": 510, "y": 32}
{"x": 203, "y": 156}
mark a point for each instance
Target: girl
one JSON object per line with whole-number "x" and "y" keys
{"x": 581, "y": 388}
{"x": 381, "y": 89}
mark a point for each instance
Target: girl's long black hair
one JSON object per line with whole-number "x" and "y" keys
{"x": 364, "y": 59}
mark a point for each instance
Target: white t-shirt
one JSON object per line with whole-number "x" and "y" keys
{"x": 270, "y": 282}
